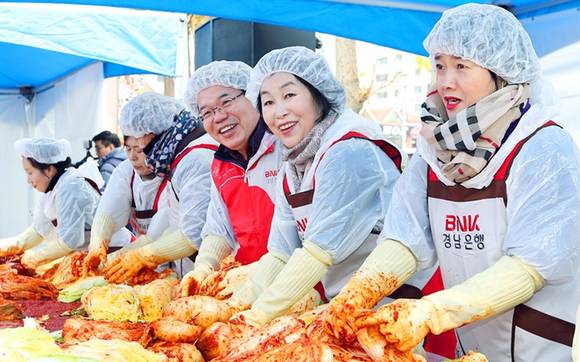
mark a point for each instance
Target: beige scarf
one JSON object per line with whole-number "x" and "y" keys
{"x": 300, "y": 156}
{"x": 466, "y": 143}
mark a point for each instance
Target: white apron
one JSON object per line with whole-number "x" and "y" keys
{"x": 145, "y": 195}
{"x": 301, "y": 203}
{"x": 468, "y": 227}
{"x": 202, "y": 142}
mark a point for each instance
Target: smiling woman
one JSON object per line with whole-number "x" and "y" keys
{"x": 291, "y": 107}
{"x": 322, "y": 230}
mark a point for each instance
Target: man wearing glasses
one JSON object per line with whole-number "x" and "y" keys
{"x": 243, "y": 170}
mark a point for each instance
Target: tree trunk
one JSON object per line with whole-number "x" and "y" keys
{"x": 347, "y": 72}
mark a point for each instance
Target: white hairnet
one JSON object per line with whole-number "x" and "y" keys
{"x": 488, "y": 36}
{"x": 43, "y": 150}
{"x": 302, "y": 62}
{"x": 149, "y": 112}
{"x": 226, "y": 73}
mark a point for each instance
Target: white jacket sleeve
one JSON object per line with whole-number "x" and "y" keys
{"x": 283, "y": 238}
{"x": 407, "y": 218}
{"x": 116, "y": 200}
{"x": 354, "y": 184}
{"x": 41, "y": 223}
{"x": 543, "y": 210}
{"x": 76, "y": 204}
{"x": 218, "y": 220}
{"x": 191, "y": 181}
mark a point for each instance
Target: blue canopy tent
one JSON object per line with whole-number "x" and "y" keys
{"x": 53, "y": 61}
{"x": 396, "y": 24}
{"x": 42, "y": 43}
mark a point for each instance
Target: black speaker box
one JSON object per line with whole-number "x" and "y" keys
{"x": 222, "y": 39}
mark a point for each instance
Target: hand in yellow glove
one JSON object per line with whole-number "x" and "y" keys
{"x": 129, "y": 264}
{"x": 102, "y": 230}
{"x": 263, "y": 274}
{"x": 214, "y": 248}
{"x": 97, "y": 255}
{"x": 385, "y": 269}
{"x": 191, "y": 282}
{"x": 18, "y": 244}
{"x": 405, "y": 322}
{"x": 306, "y": 267}
{"x": 9, "y": 247}
{"x": 139, "y": 243}
{"x": 249, "y": 317}
{"x": 171, "y": 246}
{"x": 45, "y": 252}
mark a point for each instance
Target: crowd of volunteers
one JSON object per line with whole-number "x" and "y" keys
{"x": 269, "y": 164}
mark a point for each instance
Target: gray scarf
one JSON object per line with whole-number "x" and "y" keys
{"x": 300, "y": 156}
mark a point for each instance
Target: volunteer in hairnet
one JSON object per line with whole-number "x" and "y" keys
{"x": 334, "y": 186}
{"x": 244, "y": 170}
{"x": 132, "y": 198}
{"x": 179, "y": 150}
{"x": 66, "y": 207}
{"x": 493, "y": 194}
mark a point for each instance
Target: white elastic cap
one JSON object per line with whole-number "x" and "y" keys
{"x": 149, "y": 112}
{"x": 488, "y": 36}
{"x": 304, "y": 63}
{"x": 44, "y": 150}
{"x": 231, "y": 74}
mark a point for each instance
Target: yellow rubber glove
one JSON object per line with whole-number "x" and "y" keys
{"x": 139, "y": 243}
{"x": 213, "y": 250}
{"x": 576, "y": 343}
{"x": 169, "y": 247}
{"x": 388, "y": 266}
{"x": 45, "y": 252}
{"x": 504, "y": 285}
{"x": 17, "y": 244}
{"x": 102, "y": 230}
{"x": 304, "y": 269}
{"x": 264, "y": 273}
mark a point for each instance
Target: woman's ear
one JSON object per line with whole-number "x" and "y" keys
{"x": 50, "y": 172}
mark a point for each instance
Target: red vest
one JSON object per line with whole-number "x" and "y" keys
{"x": 249, "y": 205}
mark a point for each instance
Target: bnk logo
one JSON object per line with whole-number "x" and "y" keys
{"x": 270, "y": 173}
{"x": 465, "y": 223}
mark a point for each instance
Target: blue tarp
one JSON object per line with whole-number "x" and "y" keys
{"x": 396, "y": 24}
{"x": 42, "y": 43}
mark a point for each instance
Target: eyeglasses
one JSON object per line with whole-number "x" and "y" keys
{"x": 209, "y": 112}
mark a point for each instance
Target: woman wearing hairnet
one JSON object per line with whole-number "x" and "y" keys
{"x": 244, "y": 170}
{"x": 334, "y": 185}
{"x": 65, "y": 209}
{"x": 132, "y": 197}
{"x": 178, "y": 150}
{"x": 493, "y": 195}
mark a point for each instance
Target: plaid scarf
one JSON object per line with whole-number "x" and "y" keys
{"x": 163, "y": 152}
{"x": 300, "y": 156}
{"x": 466, "y": 143}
